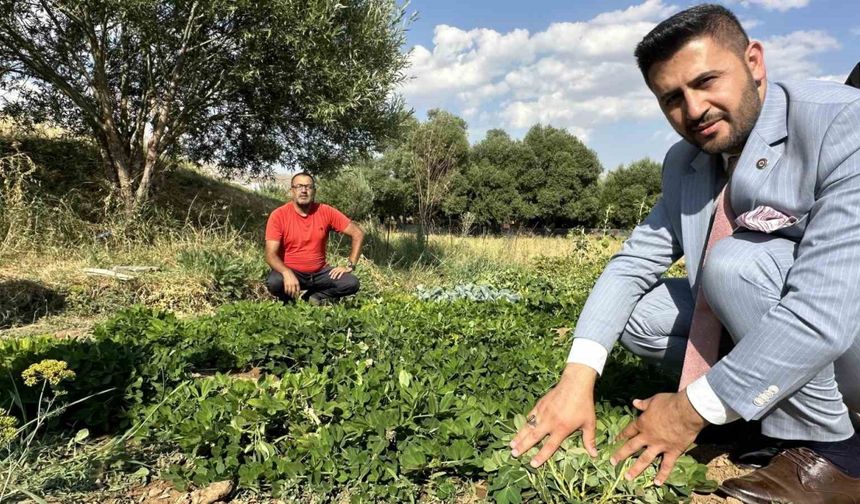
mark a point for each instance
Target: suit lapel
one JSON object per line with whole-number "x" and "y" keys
{"x": 698, "y": 192}
{"x": 762, "y": 151}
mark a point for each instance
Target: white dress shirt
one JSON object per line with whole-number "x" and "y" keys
{"x": 701, "y": 395}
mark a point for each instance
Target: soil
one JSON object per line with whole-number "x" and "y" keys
{"x": 162, "y": 492}
{"x": 720, "y": 468}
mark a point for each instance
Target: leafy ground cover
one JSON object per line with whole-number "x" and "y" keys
{"x": 384, "y": 398}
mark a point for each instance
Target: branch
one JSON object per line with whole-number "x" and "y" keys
{"x": 46, "y": 71}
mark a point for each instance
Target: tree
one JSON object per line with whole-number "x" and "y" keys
{"x": 349, "y": 191}
{"x": 495, "y": 199}
{"x": 492, "y": 186}
{"x": 243, "y": 84}
{"x": 564, "y": 178}
{"x": 629, "y": 192}
{"x": 438, "y": 148}
{"x": 390, "y": 177}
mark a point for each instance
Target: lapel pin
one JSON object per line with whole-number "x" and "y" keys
{"x": 761, "y": 163}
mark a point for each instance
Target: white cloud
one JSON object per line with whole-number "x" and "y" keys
{"x": 792, "y": 56}
{"x": 469, "y": 113}
{"x": 778, "y": 5}
{"x": 646, "y": 11}
{"x": 840, "y": 78}
{"x": 592, "y": 40}
{"x": 581, "y": 133}
{"x": 856, "y": 31}
{"x": 561, "y": 109}
{"x": 465, "y": 59}
{"x": 575, "y": 75}
{"x": 750, "y": 23}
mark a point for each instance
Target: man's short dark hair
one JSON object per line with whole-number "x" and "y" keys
{"x": 303, "y": 174}
{"x": 672, "y": 34}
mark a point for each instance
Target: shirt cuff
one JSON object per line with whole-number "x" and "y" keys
{"x": 588, "y": 352}
{"x": 706, "y": 403}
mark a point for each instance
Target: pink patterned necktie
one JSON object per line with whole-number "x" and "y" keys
{"x": 703, "y": 345}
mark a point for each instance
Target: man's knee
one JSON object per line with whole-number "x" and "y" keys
{"x": 745, "y": 266}
{"x": 351, "y": 284}
{"x": 275, "y": 283}
{"x": 640, "y": 337}
{"x": 846, "y": 370}
{"x": 660, "y": 322}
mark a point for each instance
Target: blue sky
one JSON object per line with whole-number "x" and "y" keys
{"x": 511, "y": 63}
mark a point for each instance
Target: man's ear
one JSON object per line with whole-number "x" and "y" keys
{"x": 754, "y": 58}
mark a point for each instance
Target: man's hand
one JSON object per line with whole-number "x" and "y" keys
{"x": 291, "y": 284}
{"x": 568, "y": 407}
{"x": 667, "y": 426}
{"x": 336, "y": 273}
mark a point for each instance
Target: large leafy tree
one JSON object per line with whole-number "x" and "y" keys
{"x": 629, "y": 192}
{"x": 493, "y": 185}
{"x": 565, "y": 177}
{"x": 240, "y": 83}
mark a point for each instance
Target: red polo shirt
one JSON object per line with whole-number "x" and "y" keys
{"x": 303, "y": 237}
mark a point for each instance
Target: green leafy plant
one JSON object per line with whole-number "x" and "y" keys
{"x": 230, "y": 275}
{"x": 469, "y": 291}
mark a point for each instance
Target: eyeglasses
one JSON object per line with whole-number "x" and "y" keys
{"x": 299, "y": 187}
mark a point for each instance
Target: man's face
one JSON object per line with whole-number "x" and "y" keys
{"x": 303, "y": 190}
{"x": 709, "y": 93}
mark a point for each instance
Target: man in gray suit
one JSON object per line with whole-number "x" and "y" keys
{"x": 783, "y": 284}
{"x": 854, "y": 77}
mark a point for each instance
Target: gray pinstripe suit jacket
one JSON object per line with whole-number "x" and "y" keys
{"x": 809, "y": 133}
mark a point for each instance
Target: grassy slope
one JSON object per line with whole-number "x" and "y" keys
{"x": 70, "y": 169}
{"x": 54, "y": 236}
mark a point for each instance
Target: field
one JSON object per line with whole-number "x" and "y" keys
{"x": 189, "y": 375}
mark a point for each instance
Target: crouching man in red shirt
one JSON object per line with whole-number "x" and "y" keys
{"x": 296, "y": 237}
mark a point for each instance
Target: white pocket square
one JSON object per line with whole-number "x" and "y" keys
{"x": 765, "y": 219}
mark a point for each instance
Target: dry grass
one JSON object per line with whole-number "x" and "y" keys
{"x": 185, "y": 288}
{"x": 515, "y": 248}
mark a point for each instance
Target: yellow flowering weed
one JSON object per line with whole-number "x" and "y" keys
{"x": 48, "y": 370}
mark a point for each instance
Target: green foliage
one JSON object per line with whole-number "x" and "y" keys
{"x": 65, "y": 203}
{"x": 565, "y": 176}
{"x": 24, "y": 301}
{"x": 378, "y": 397}
{"x": 494, "y": 187}
{"x": 442, "y": 135}
{"x": 391, "y": 184}
{"x": 500, "y": 180}
{"x": 349, "y": 191}
{"x": 470, "y": 292}
{"x": 275, "y": 191}
{"x": 549, "y": 178}
{"x": 571, "y": 475}
{"x": 439, "y": 148}
{"x": 244, "y": 84}
{"x": 229, "y": 274}
{"x": 629, "y": 192}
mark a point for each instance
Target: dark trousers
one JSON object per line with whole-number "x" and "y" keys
{"x": 319, "y": 284}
